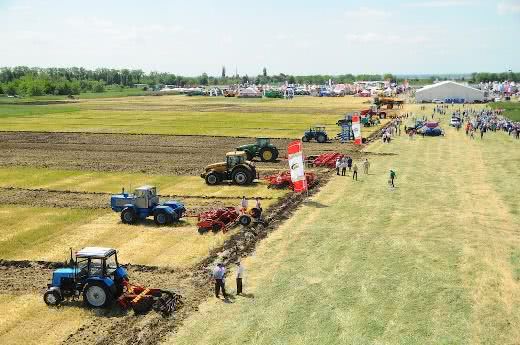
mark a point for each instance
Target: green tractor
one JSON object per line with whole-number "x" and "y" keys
{"x": 262, "y": 148}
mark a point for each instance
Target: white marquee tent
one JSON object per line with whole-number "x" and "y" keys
{"x": 448, "y": 90}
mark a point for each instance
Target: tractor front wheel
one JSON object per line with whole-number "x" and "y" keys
{"x": 212, "y": 179}
{"x": 96, "y": 295}
{"x": 52, "y": 297}
{"x": 128, "y": 216}
{"x": 305, "y": 139}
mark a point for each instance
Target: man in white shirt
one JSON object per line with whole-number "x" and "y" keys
{"x": 218, "y": 276}
{"x": 244, "y": 203}
{"x": 240, "y": 275}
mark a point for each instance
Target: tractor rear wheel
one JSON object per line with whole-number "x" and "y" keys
{"x": 128, "y": 216}
{"x": 244, "y": 220}
{"x": 96, "y": 295}
{"x": 162, "y": 218}
{"x": 268, "y": 154}
{"x": 321, "y": 138}
{"x": 242, "y": 176}
{"x": 52, "y": 297}
{"x": 212, "y": 179}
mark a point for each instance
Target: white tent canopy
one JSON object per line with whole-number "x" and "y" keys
{"x": 449, "y": 90}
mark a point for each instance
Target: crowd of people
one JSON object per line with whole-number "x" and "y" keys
{"x": 486, "y": 120}
{"x": 342, "y": 164}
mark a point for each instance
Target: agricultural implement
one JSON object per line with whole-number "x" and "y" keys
{"x": 326, "y": 160}
{"x": 236, "y": 168}
{"x": 225, "y": 218}
{"x": 144, "y": 202}
{"x": 262, "y": 148}
{"x": 283, "y": 180}
{"x": 96, "y": 274}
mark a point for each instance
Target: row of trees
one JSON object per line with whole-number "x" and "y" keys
{"x": 74, "y": 80}
{"x": 486, "y": 77}
{"x": 37, "y": 81}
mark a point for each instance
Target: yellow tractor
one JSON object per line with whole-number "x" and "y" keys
{"x": 236, "y": 168}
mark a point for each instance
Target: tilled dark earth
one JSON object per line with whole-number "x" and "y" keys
{"x": 151, "y": 154}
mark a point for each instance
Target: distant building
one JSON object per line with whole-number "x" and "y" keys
{"x": 447, "y": 91}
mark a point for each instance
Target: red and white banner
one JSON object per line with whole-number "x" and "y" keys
{"x": 356, "y": 129}
{"x": 295, "y": 157}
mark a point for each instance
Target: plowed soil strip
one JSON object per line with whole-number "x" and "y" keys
{"x": 152, "y": 154}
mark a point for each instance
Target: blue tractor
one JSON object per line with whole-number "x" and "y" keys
{"x": 95, "y": 273}
{"x": 317, "y": 133}
{"x": 144, "y": 202}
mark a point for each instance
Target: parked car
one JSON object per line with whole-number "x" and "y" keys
{"x": 437, "y": 101}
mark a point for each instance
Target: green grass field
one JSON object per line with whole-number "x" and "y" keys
{"x": 434, "y": 261}
{"x": 512, "y": 109}
{"x": 183, "y": 115}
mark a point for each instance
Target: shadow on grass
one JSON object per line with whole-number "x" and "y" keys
{"x": 314, "y": 204}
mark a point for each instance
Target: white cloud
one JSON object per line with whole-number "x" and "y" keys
{"x": 366, "y": 12}
{"x": 441, "y": 3}
{"x": 508, "y": 7}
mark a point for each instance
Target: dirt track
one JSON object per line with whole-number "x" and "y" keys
{"x": 151, "y": 154}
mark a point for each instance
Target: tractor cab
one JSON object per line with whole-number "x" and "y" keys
{"x": 95, "y": 272}
{"x": 235, "y": 158}
{"x": 146, "y": 197}
{"x": 263, "y": 142}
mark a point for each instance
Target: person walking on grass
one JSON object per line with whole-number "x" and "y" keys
{"x": 366, "y": 165}
{"x": 338, "y": 166}
{"x": 392, "y": 178}
{"x": 218, "y": 276}
{"x": 244, "y": 204}
{"x": 354, "y": 169}
{"x": 240, "y": 276}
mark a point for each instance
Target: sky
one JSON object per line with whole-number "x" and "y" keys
{"x": 293, "y": 37}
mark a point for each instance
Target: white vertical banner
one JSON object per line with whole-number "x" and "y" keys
{"x": 356, "y": 129}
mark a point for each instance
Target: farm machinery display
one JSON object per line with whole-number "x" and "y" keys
{"x": 262, "y": 148}
{"x": 236, "y": 168}
{"x": 96, "y": 274}
{"x": 226, "y": 217}
{"x": 144, "y": 202}
{"x": 327, "y": 160}
{"x": 283, "y": 180}
{"x": 317, "y": 133}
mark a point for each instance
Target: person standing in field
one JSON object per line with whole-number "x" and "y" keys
{"x": 392, "y": 178}
{"x": 366, "y": 165}
{"x": 338, "y": 165}
{"x": 354, "y": 174}
{"x": 244, "y": 203}
{"x": 349, "y": 163}
{"x": 218, "y": 276}
{"x": 240, "y": 276}
{"x": 343, "y": 165}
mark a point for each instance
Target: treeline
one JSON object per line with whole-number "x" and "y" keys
{"x": 486, "y": 77}
{"x": 36, "y": 81}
